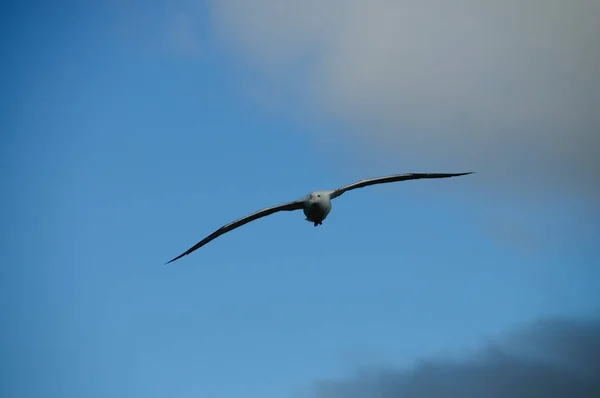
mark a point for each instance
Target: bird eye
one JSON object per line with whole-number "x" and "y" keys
{"x": 318, "y": 196}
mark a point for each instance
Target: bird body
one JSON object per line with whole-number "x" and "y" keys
{"x": 316, "y": 205}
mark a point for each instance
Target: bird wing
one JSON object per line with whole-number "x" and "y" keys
{"x": 295, "y": 205}
{"x": 392, "y": 178}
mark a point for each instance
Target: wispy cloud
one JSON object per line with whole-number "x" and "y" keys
{"x": 508, "y": 88}
{"x": 550, "y": 359}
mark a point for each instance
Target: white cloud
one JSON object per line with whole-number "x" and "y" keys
{"x": 509, "y": 88}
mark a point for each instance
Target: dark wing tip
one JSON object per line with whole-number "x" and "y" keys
{"x": 443, "y": 175}
{"x": 457, "y": 174}
{"x": 176, "y": 258}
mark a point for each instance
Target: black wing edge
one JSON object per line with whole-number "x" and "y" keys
{"x": 295, "y": 205}
{"x": 393, "y": 178}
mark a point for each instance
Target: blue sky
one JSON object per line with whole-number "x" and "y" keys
{"x": 119, "y": 153}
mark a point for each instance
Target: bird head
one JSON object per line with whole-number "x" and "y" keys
{"x": 314, "y": 197}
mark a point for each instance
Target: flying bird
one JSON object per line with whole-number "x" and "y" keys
{"x": 316, "y": 205}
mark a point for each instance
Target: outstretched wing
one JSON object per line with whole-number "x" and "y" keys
{"x": 295, "y": 205}
{"x": 392, "y": 178}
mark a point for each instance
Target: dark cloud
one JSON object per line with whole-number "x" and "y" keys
{"x": 549, "y": 359}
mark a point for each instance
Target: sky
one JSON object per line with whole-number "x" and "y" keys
{"x": 131, "y": 130}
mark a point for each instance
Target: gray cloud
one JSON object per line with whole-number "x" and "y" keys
{"x": 510, "y": 89}
{"x": 550, "y": 359}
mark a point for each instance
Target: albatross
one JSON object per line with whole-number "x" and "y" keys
{"x": 316, "y": 205}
